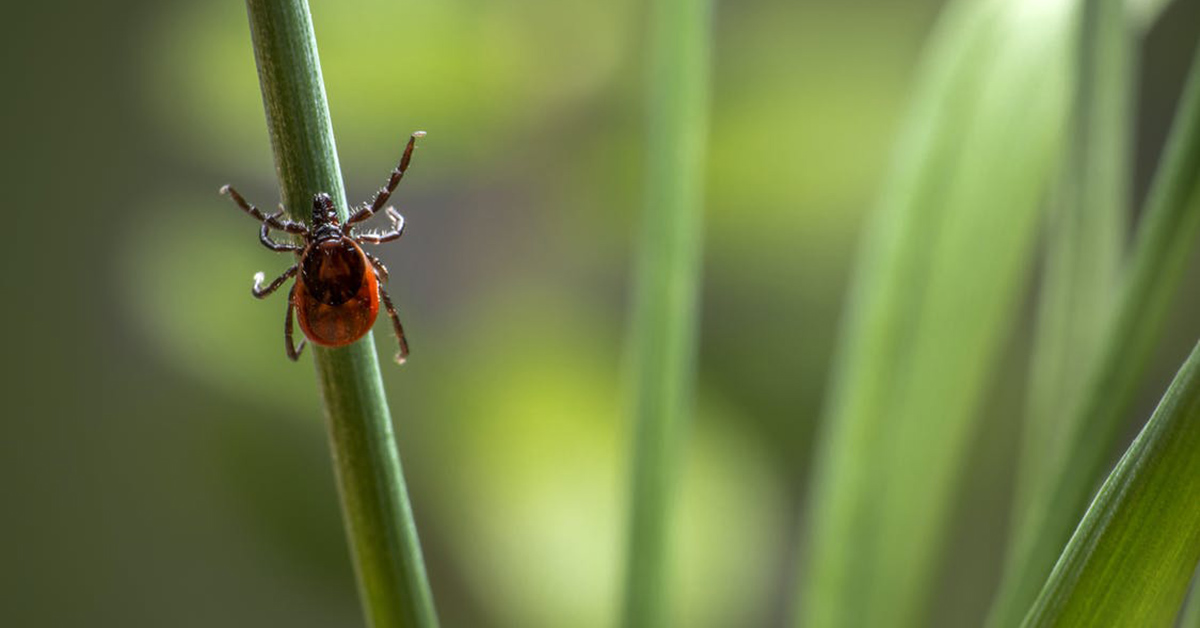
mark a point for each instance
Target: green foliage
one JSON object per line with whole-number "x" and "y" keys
{"x": 1085, "y": 238}
{"x": 1151, "y": 275}
{"x": 960, "y": 214}
{"x": 1086, "y": 233}
{"x": 1005, "y": 96}
{"x": 941, "y": 271}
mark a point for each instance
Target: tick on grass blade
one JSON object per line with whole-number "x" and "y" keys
{"x": 338, "y": 285}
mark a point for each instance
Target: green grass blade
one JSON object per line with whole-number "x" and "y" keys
{"x": 1144, "y": 13}
{"x": 1160, "y": 250}
{"x": 666, "y": 297}
{"x": 382, "y": 535}
{"x": 943, "y": 267}
{"x": 1084, "y": 241}
{"x": 1131, "y": 559}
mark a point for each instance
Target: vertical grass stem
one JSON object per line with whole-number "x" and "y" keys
{"x": 664, "y": 318}
{"x": 379, "y": 522}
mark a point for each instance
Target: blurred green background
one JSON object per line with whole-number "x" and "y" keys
{"x": 164, "y": 464}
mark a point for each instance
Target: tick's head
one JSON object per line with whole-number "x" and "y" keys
{"x": 324, "y": 213}
{"x": 324, "y": 220}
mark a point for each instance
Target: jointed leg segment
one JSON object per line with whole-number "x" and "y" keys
{"x": 381, "y": 197}
{"x": 264, "y": 236}
{"x": 380, "y": 269}
{"x": 293, "y": 351}
{"x": 259, "y": 291}
{"x": 274, "y": 220}
{"x": 396, "y": 231}
{"x": 402, "y": 354}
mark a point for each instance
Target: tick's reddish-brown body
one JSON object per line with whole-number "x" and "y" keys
{"x": 338, "y": 285}
{"x": 337, "y": 293}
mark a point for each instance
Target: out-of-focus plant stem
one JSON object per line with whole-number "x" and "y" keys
{"x": 664, "y": 317}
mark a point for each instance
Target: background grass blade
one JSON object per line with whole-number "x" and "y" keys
{"x": 1190, "y": 618}
{"x": 666, "y": 298}
{"x": 1143, "y": 13}
{"x": 1130, "y": 561}
{"x": 1084, "y": 241}
{"x": 944, "y": 264}
{"x": 379, "y": 524}
{"x": 1165, "y": 239}
{"x": 1084, "y": 244}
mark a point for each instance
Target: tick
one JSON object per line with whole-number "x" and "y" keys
{"x": 338, "y": 285}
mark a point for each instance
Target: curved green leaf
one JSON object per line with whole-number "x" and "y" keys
{"x": 1131, "y": 559}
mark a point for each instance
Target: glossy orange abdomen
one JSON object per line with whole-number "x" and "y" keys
{"x": 337, "y": 294}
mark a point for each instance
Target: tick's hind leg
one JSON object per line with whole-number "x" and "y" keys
{"x": 380, "y": 269}
{"x": 401, "y": 355}
{"x": 293, "y": 351}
